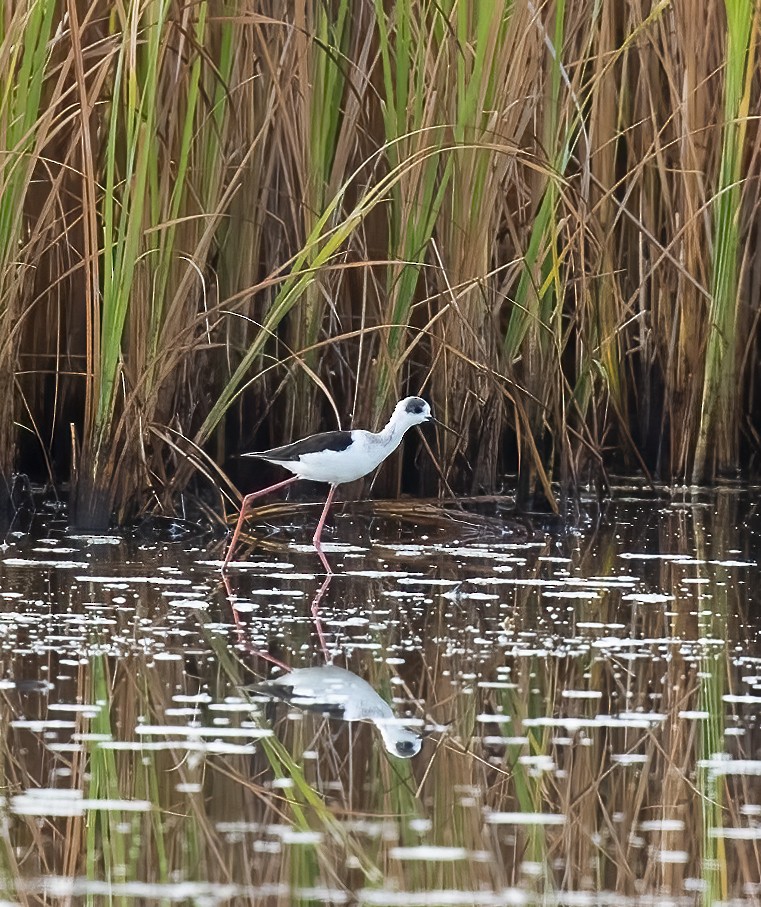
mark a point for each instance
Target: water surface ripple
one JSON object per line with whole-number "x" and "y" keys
{"x": 494, "y": 713}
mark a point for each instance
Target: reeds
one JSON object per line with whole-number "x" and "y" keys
{"x": 228, "y": 224}
{"x": 25, "y": 127}
{"x": 719, "y": 411}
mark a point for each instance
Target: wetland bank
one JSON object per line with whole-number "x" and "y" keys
{"x": 588, "y": 701}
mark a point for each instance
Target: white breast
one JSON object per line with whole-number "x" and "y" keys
{"x": 337, "y": 467}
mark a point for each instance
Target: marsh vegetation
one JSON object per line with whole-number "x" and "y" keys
{"x": 227, "y": 225}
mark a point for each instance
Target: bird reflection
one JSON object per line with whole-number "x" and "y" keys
{"x": 338, "y": 693}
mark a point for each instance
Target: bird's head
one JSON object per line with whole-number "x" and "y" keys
{"x": 413, "y": 411}
{"x": 399, "y": 740}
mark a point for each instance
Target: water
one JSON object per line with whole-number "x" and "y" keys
{"x": 577, "y": 711}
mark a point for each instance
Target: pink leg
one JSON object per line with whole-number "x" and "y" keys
{"x": 316, "y": 541}
{"x": 249, "y": 498}
{"x": 316, "y": 616}
{"x": 243, "y": 640}
{"x": 232, "y": 599}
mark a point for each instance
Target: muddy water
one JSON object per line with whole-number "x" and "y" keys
{"x": 537, "y": 715}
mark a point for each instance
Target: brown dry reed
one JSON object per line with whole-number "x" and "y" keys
{"x": 226, "y": 224}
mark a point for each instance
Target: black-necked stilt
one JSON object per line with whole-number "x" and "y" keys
{"x": 338, "y": 693}
{"x": 335, "y": 457}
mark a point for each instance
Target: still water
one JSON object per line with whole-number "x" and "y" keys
{"x": 479, "y": 710}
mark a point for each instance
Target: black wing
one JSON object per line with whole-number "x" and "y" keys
{"x": 300, "y": 699}
{"x": 328, "y": 440}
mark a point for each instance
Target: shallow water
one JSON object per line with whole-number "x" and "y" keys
{"x": 588, "y": 702}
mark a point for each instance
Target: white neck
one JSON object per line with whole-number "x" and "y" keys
{"x": 391, "y": 436}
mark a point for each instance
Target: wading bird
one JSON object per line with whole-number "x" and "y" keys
{"x": 335, "y": 457}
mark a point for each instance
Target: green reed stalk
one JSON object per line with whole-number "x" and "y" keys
{"x": 319, "y": 251}
{"x": 179, "y": 193}
{"x": 131, "y": 150}
{"x": 534, "y": 333}
{"x": 131, "y": 158}
{"x": 309, "y": 811}
{"x": 25, "y": 33}
{"x": 325, "y": 71}
{"x": 148, "y": 786}
{"x": 479, "y": 103}
{"x": 208, "y": 148}
{"x": 528, "y": 790}
{"x": 239, "y": 242}
{"x": 9, "y": 868}
{"x": 410, "y": 37}
{"x": 718, "y": 435}
{"x": 328, "y": 76}
{"x": 329, "y": 63}
{"x": 239, "y": 237}
{"x": 105, "y": 837}
{"x": 713, "y": 672}
{"x": 534, "y": 302}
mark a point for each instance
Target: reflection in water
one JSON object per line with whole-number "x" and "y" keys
{"x": 599, "y": 696}
{"x": 337, "y": 693}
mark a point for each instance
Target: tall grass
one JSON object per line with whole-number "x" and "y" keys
{"x": 713, "y": 674}
{"x": 26, "y": 127}
{"x": 229, "y": 224}
{"x": 720, "y": 405}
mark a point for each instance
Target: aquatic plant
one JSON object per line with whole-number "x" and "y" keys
{"x": 235, "y": 223}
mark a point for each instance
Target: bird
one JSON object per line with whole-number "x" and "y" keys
{"x": 335, "y": 457}
{"x": 338, "y": 693}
